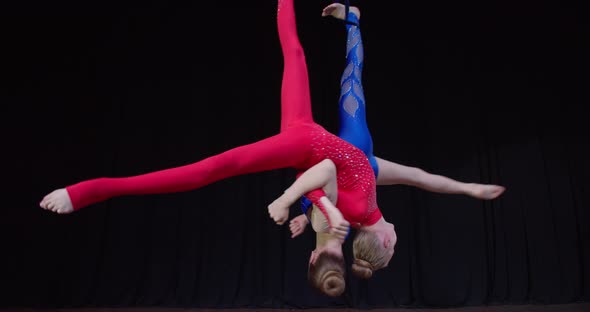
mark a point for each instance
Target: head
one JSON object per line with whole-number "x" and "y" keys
{"x": 326, "y": 271}
{"x": 372, "y": 249}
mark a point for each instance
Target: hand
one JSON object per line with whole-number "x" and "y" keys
{"x": 338, "y": 225}
{"x": 297, "y": 225}
{"x": 278, "y": 210}
{"x": 340, "y": 229}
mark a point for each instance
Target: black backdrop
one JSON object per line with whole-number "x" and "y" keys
{"x": 488, "y": 92}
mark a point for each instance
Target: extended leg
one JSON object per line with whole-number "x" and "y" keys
{"x": 352, "y": 109}
{"x": 295, "y": 96}
{"x": 289, "y": 149}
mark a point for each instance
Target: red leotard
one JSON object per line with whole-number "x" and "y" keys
{"x": 301, "y": 144}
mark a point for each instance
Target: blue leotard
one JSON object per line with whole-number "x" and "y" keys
{"x": 353, "y": 122}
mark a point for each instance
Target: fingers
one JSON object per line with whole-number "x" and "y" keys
{"x": 297, "y": 226}
{"x": 294, "y": 226}
{"x": 344, "y": 225}
{"x": 296, "y": 232}
{"x": 341, "y": 235}
{"x": 340, "y": 229}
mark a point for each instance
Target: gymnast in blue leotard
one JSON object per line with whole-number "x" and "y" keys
{"x": 368, "y": 256}
{"x": 352, "y": 113}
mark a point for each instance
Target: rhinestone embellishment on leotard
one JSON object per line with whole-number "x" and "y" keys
{"x": 353, "y": 167}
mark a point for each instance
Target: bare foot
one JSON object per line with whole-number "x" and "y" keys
{"x": 486, "y": 191}
{"x": 57, "y": 201}
{"x": 337, "y": 10}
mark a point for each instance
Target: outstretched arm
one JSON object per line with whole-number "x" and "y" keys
{"x": 391, "y": 173}
{"x": 322, "y": 176}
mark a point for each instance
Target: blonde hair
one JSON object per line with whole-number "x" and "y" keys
{"x": 369, "y": 254}
{"x": 327, "y": 274}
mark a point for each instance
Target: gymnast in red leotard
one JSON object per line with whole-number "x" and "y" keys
{"x": 301, "y": 144}
{"x": 369, "y": 253}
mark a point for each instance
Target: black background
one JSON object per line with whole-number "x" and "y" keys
{"x": 479, "y": 91}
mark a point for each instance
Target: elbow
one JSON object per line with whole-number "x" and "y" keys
{"x": 329, "y": 166}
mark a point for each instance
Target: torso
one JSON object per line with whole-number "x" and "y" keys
{"x": 355, "y": 176}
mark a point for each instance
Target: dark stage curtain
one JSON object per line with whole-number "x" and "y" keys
{"x": 489, "y": 92}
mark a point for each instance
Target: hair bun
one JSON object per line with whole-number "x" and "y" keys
{"x": 362, "y": 268}
{"x": 333, "y": 283}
